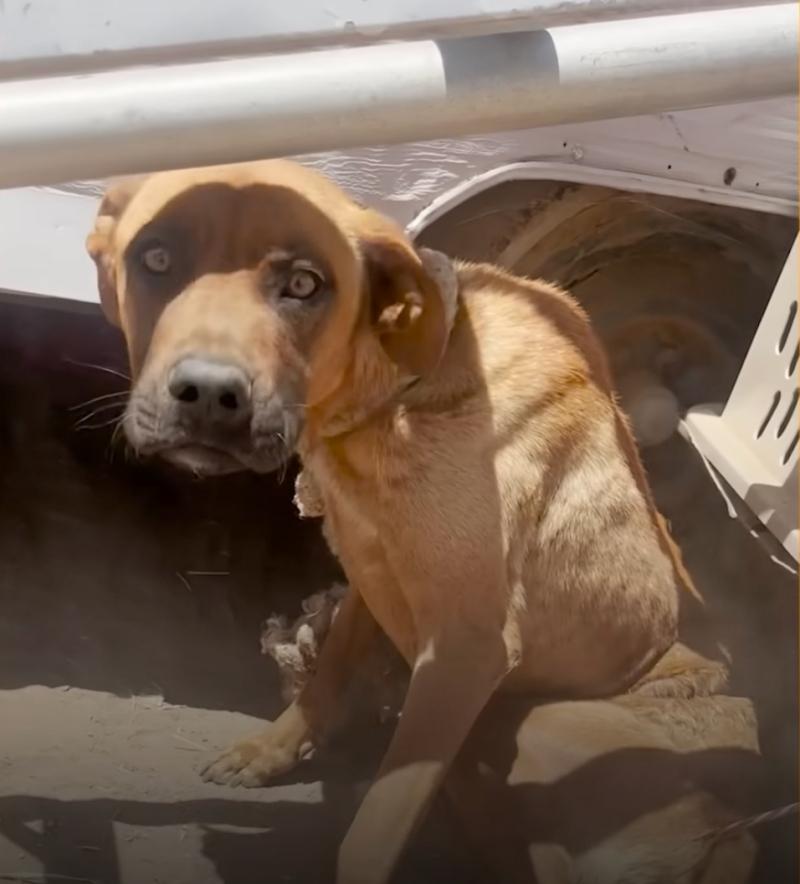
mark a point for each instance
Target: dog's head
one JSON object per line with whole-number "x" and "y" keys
{"x": 248, "y": 294}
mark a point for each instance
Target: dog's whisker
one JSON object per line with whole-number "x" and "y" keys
{"x": 116, "y": 420}
{"x": 282, "y": 439}
{"x": 96, "y": 411}
{"x": 129, "y": 453}
{"x": 282, "y": 473}
{"x": 117, "y": 430}
{"x": 112, "y": 447}
{"x": 88, "y": 402}
{"x": 105, "y": 368}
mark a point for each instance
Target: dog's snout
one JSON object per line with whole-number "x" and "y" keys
{"x": 215, "y": 391}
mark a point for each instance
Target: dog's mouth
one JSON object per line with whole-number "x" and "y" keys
{"x": 262, "y": 443}
{"x": 202, "y": 460}
{"x": 207, "y": 460}
{"x": 206, "y": 457}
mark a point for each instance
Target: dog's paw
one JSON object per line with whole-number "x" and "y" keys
{"x": 254, "y": 762}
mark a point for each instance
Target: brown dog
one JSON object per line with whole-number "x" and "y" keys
{"x": 479, "y": 482}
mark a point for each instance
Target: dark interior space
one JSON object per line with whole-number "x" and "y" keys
{"x": 132, "y": 601}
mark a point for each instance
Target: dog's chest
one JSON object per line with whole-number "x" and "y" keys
{"x": 351, "y": 528}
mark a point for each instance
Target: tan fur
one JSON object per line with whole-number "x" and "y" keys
{"x": 479, "y": 481}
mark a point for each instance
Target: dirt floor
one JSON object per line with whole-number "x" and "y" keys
{"x": 130, "y": 606}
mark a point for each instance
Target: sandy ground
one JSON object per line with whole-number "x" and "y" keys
{"x": 101, "y": 788}
{"x": 130, "y": 605}
{"x": 106, "y": 784}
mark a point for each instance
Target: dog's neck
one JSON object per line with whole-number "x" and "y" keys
{"x": 352, "y": 417}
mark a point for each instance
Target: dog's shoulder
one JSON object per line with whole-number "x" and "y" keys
{"x": 529, "y": 334}
{"x": 477, "y": 279}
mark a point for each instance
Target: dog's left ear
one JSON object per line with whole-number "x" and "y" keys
{"x": 411, "y": 299}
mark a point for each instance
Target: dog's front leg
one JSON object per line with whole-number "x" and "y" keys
{"x": 453, "y": 677}
{"x": 304, "y": 722}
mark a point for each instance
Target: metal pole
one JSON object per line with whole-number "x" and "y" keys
{"x": 42, "y": 37}
{"x": 61, "y": 128}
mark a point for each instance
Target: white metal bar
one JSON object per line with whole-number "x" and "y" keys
{"x": 49, "y": 36}
{"x": 64, "y": 128}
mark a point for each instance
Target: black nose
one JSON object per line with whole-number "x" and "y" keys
{"x": 217, "y": 392}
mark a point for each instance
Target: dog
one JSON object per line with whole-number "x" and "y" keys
{"x": 479, "y": 481}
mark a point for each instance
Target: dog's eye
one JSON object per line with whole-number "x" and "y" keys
{"x": 157, "y": 259}
{"x": 302, "y": 283}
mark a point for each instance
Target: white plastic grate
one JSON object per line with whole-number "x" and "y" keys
{"x": 753, "y": 443}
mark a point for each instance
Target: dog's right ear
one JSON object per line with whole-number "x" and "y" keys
{"x": 98, "y": 243}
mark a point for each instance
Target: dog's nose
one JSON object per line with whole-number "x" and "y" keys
{"x": 217, "y": 392}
